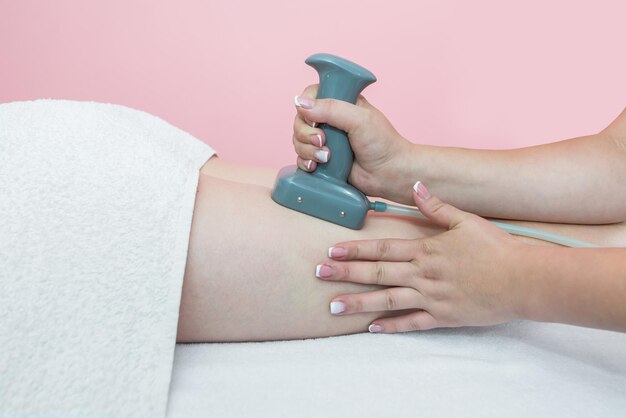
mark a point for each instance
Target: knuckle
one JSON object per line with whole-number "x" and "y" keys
{"x": 426, "y": 247}
{"x": 436, "y": 294}
{"x": 299, "y": 131}
{"x": 356, "y": 250}
{"x": 301, "y": 163}
{"x": 414, "y": 324}
{"x": 390, "y": 301}
{"x": 429, "y": 272}
{"x": 329, "y": 105}
{"x": 309, "y": 152}
{"x": 357, "y": 305}
{"x": 437, "y": 206}
{"x": 380, "y": 274}
{"x": 446, "y": 316}
{"x": 366, "y": 114}
{"x": 361, "y": 100}
{"x": 310, "y": 91}
{"x": 435, "y": 291}
{"x": 306, "y": 151}
{"x": 382, "y": 249}
{"x": 299, "y": 149}
{"x": 345, "y": 271}
{"x": 417, "y": 273}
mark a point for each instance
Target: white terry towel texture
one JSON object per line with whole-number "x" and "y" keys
{"x": 96, "y": 202}
{"x": 520, "y": 369}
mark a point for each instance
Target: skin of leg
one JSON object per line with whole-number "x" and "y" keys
{"x": 251, "y": 262}
{"x": 250, "y": 273}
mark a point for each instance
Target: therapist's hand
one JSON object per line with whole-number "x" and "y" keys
{"x": 379, "y": 150}
{"x": 464, "y": 276}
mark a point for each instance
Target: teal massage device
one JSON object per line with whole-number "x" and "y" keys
{"x": 326, "y": 193}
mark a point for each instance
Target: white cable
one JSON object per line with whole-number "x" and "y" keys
{"x": 511, "y": 229}
{"x": 405, "y": 211}
{"x": 543, "y": 235}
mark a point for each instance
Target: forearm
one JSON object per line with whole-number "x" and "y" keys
{"x": 585, "y": 287}
{"x": 581, "y": 180}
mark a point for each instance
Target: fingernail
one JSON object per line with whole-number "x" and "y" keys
{"x": 323, "y": 271}
{"x": 303, "y": 102}
{"x": 336, "y": 252}
{"x": 318, "y": 139}
{"x": 308, "y": 164}
{"x": 337, "y": 307}
{"x": 321, "y": 156}
{"x": 375, "y": 328}
{"x": 421, "y": 190}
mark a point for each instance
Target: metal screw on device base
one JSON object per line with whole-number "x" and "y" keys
{"x": 342, "y": 214}
{"x": 299, "y": 199}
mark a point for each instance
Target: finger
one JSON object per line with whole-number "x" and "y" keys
{"x": 310, "y": 91}
{"x": 441, "y": 213}
{"x": 392, "y": 299}
{"x": 381, "y": 273}
{"x": 362, "y": 101}
{"x": 304, "y": 103}
{"x": 306, "y": 165}
{"x": 416, "y": 321}
{"x": 311, "y": 152}
{"x": 374, "y": 250}
{"x": 343, "y": 115}
{"x": 306, "y": 134}
{"x": 308, "y": 152}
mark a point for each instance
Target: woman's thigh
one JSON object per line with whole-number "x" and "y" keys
{"x": 251, "y": 267}
{"x": 251, "y": 264}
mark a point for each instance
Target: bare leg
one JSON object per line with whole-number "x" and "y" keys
{"x": 250, "y": 268}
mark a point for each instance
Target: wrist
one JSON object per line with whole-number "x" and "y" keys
{"x": 520, "y": 293}
{"x": 416, "y": 164}
{"x": 405, "y": 174}
{"x": 532, "y": 281}
{"x": 390, "y": 177}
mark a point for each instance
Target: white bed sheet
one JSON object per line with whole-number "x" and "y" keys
{"x": 520, "y": 369}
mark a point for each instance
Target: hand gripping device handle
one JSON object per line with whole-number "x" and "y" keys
{"x": 342, "y": 80}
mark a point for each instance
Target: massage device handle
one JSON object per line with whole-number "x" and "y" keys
{"x": 342, "y": 80}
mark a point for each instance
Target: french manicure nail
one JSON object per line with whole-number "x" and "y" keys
{"x": 374, "y": 328}
{"x": 303, "y": 102}
{"x": 318, "y": 138}
{"x": 323, "y": 271}
{"x": 308, "y": 164}
{"x": 336, "y": 252}
{"x": 421, "y": 190}
{"x": 337, "y": 307}
{"x": 321, "y": 156}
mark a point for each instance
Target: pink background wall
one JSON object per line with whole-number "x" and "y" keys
{"x": 483, "y": 73}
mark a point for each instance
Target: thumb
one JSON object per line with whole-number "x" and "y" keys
{"x": 337, "y": 113}
{"x": 434, "y": 209}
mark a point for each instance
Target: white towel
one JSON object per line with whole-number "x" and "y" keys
{"x": 96, "y": 202}
{"x": 521, "y": 369}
